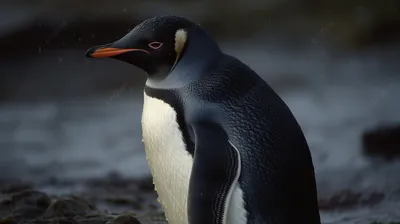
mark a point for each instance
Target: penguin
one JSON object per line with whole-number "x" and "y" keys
{"x": 221, "y": 145}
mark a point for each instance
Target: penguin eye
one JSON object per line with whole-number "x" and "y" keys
{"x": 155, "y": 45}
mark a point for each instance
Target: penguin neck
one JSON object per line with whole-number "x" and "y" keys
{"x": 199, "y": 55}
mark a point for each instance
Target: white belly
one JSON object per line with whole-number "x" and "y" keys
{"x": 169, "y": 162}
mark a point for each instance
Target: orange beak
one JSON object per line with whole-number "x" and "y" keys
{"x": 109, "y": 52}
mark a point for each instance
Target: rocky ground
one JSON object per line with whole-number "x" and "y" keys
{"x": 136, "y": 202}
{"x": 21, "y": 203}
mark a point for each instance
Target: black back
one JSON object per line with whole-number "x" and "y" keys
{"x": 277, "y": 176}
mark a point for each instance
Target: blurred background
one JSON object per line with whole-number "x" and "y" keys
{"x": 71, "y": 125}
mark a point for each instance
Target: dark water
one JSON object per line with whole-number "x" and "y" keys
{"x": 335, "y": 97}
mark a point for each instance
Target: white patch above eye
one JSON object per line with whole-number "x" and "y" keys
{"x": 155, "y": 45}
{"x": 180, "y": 41}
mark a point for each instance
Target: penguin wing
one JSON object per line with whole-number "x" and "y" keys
{"x": 216, "y": 169}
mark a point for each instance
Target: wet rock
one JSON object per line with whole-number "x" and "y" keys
{"x": 119, "y": 194}
{"x": 31, "y": 206}
{"x": 36, "y": 207}
{"x": 11, "y": 185}
{"x": 69, "y": 207}
{"x": 153, "y": 218}
{"x": 383, "y": 141}
{"x": 19, "y": 203}
{"x": 124, "y": 219}
{"x": 22, "y": 205}
{"x": 347, "y": 199}
{"x": 97, "y": 219}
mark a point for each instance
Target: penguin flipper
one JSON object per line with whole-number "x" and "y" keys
{"x": 216, "y": 169}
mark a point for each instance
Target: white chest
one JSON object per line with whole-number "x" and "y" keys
{"x": 169, "y": 162}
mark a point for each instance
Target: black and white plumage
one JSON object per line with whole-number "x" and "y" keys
{"x": 222, "y": 146}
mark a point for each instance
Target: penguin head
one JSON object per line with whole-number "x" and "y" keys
{"x": 155, "y": 45}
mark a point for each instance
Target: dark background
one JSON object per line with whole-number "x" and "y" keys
{"x": 66, "y": 121}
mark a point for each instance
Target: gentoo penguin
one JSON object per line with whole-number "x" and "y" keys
{"x": 222, "y": 146}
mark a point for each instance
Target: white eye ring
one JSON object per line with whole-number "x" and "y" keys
{"x": 155, "y": 45}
